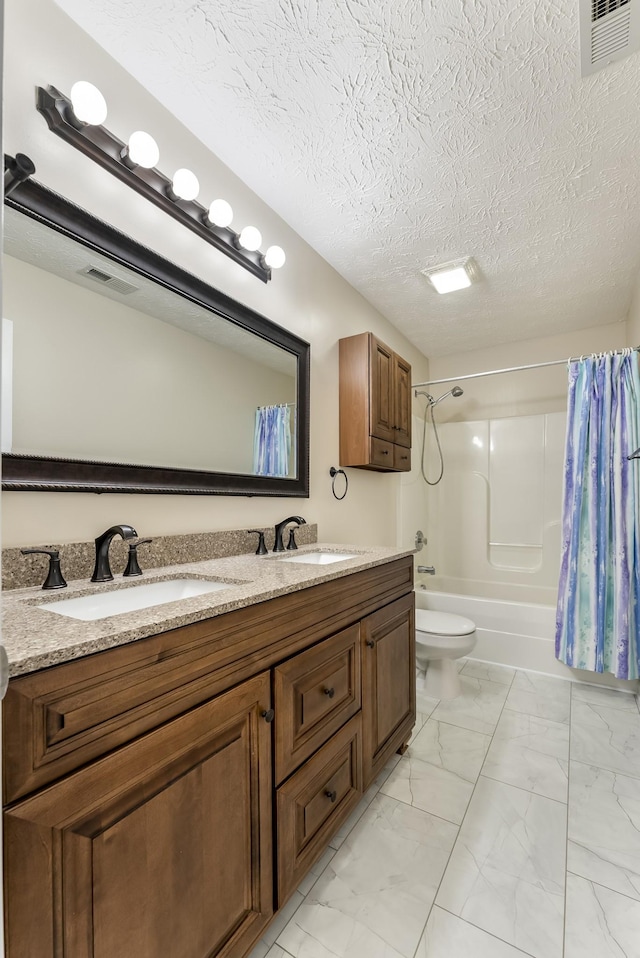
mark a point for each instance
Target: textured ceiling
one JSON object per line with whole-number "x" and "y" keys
{"x": 398, "y": 134}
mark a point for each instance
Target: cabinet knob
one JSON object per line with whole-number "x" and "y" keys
{"x": 370, "y": 643}
{"x": 331, "y": 794}
{"x": 268, "y": 715}
{"x": 385, "y": 452}
{"x": 330, "y": 692}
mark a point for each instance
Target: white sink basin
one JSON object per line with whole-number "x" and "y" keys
{"x": 320, "y": 558}
{"x": 135, "y": 597}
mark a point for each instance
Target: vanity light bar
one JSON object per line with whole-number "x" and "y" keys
{"x": 102, "y": 146}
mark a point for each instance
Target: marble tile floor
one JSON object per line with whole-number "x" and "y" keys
{"x": 509, "y": 829}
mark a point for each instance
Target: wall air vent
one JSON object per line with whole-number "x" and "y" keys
{"x": 106, "y": 279}
{"x": 609, "y": 31}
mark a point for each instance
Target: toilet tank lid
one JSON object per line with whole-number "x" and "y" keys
{"x": 443, "y": 623}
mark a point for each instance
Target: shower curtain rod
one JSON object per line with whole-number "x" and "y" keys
{"x": 514, "y": 369}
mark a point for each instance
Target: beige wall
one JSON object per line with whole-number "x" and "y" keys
{"x": 633, "y": 318}
{"x": 523, "y": 393}
{"x": 307, "y": 296}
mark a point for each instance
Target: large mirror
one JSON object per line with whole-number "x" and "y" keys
{"x": 124, "y": 373}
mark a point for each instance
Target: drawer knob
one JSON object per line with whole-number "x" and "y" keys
{"x": 331, "y": 794}
{"x": 385, "y": 452}
{"x": 330, "y": 692}
{"x": 370, "y": 643}
{"x": 268, "y": 715}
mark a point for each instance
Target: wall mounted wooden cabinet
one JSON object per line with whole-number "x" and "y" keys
{"x": 375, "y": 406}
{"x": 144, "y": 785}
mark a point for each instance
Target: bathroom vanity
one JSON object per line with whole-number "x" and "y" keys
{"x": 164, "y": 797}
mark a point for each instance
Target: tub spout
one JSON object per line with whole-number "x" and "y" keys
{"x": 429, "y": 569}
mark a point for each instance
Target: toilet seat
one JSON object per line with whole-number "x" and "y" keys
{"x": 443, "y": 623}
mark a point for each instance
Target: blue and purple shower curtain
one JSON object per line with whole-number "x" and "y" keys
{"x": 272, "y": 441}
{"x": 597, "y": 622}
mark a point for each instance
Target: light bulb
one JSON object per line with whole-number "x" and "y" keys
{"x": 250, "y": 238}
{"x": 88, "y": 104}
{"x": 275, "y": 257}
{"x": 185, "y": 185}
{"x": 220, "y": 213}
{"x": 142, "y": 150}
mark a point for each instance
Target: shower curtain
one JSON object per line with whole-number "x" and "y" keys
{"x": 272, "y": 441}
{"x": 597, "y": 622}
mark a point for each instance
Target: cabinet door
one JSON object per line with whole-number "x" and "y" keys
{"x": 388, "y": 682}
{"x": 381, "y": 365}
{"x": 402, "y": 401}
{"x": 161, "y": 848}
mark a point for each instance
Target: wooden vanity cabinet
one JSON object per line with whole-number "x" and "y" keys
{"x": 161, "y": 848}
{"x": 388, "y": 682}
{"x": 375, "y": 405}
{"x": 144, "y": 785}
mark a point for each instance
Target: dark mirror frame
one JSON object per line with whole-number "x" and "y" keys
{"x": 50, "y": 474}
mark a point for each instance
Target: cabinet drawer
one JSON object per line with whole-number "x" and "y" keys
{"x": 401, "y": 458}
{"x": 314, "y": 694}
{"x": 381, "y": 453}
{"x": 313, "y": 804}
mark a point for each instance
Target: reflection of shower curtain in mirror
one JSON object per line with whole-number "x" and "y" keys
{"x": 598, "y": 619}
{"x": 272, "y": 441}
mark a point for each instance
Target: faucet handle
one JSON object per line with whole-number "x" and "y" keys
{"x": 292, "y": 544}
{"x": 55, "y": 579}
{"x": 133, "y": 567}
{"x": 262, "y": 549}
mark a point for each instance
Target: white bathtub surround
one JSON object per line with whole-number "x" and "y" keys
{"x": 502, "y": 888}
{"x": 496, "y": 516}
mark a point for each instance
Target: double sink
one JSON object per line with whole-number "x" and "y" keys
{"x": 145, "y": 595}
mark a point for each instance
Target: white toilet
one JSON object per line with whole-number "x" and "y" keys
{"x": 441, "y": 638}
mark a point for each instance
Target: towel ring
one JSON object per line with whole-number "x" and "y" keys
{"x": 333, "y": 472}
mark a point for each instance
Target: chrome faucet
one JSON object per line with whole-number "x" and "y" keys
{"x": 279, "y": 529}
{"x": 102, "y": 571}
{"x": 429, "y": 569}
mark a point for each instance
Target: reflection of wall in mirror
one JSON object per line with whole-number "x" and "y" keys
{"x": 97, "y": 379}
{"x": 6, "y": 394}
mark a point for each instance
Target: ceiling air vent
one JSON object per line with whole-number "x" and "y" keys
{"x": 105, "y": 279}
{"x": 609, "y": 31}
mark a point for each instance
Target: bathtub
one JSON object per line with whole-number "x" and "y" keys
{"x": 520, "y": 634}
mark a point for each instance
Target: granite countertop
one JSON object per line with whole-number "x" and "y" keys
{"x": 36, "y": 638}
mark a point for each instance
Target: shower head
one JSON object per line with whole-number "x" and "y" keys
{"x": 456, "y": 391}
